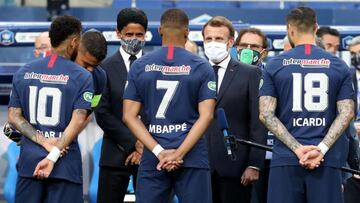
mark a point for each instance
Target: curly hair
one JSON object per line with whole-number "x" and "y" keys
{"x": 62, "y": 28}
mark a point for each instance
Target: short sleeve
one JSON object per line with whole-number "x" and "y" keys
{"x": 208, "y": 85}
{"x": 99, "y": 78}
{"x": 267, "y": 86}
{"x": 15, "y": 100}
{"x": 346, "y": 90}
{"x": 131, "y": 91}
{"x": 85, "y": 94}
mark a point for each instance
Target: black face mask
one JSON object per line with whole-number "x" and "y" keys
{"x": 355, "y": 61}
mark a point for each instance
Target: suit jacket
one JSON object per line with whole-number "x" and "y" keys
{"x": 238, "y": 96}
{"x": 118, "y": 142}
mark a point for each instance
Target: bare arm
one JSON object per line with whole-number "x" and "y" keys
{"x": 206, "y": 112}
{"x": 77, "y": 123}
{"x": 131, "y": 110}
{"x": 267, "y": 107}
{"x": 341, "y": 122}
{"x": 17, "y": 120}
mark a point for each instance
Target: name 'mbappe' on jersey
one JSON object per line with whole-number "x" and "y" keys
{"x": 307, "y": 82}
{"x": 170, "y": 90}
{"x": 48, "y": 90}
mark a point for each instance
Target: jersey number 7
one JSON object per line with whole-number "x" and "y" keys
{"x": 170, "y": 87}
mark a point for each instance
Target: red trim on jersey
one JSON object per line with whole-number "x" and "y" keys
{"x": 307, "y": 49}
{"x": 52, "y": 60}
{"x": 170, "y": 54}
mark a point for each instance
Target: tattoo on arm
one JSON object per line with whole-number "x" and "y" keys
{"x": 74, "y": 128}
{"x": 23, "y": 126}
{"x": 341, "y": 122}
{"x": 267, "y": 107}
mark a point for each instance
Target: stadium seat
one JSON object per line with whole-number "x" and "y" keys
{"x": 96, "y": 152}
{"x": 11, "y": 176}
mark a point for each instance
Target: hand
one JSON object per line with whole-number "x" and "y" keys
{"x": 169, "y": 160}
{"x": 356, "y": 176}
{"x": 139, "y": 147}
{"x": 51, "y": 142}
{"x": 312, "y": 159}
{"x": 133, "y": 158}
{"x": 302, "y": 150}
{"x": 357, "y": 127}
{"x": 43, "y": 168}
{"x": 249, "y": 176}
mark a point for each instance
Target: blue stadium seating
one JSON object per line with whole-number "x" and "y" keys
{"x": 10, "y": 180}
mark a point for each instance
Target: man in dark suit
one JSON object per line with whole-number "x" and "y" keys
{"x": 120, "y": 152}
{"x": 238, "y": 86}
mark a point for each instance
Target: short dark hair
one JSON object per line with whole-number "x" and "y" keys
{"x": 62, "y": 28}
{"x": 174, "y": 18}
{"x": 219, "y": 21}
{"x": 131, "y": 15}
{"x": 303, "y": 18}
{"x": 255, "y": 31}
{"x": 327, "y": 31}
{"x": 95, "y": 43}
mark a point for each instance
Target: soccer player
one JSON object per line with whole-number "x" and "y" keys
{"x": 92, "y": 50}
{"x": 306, "y": 100}
{"x": 52, "y": 95}
{"x": 177, "y": 91}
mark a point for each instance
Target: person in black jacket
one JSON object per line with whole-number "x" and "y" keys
{"x": 238, "y": 87}
{"x": 120, "y": 152}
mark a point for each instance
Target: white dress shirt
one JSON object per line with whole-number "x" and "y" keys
{"x": 221, "y": 73}
{"x": 126, "y": 57}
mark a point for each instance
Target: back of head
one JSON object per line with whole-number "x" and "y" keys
{"x": 62, "y": 28}
{"x": 131, "y": 15}
{"x": 303, "y": 19}
{"x": 95, "y": 43}
{"x": 327, "y": 31}
{"x": 219, "y": 21}
{"x": 174, "y": 19}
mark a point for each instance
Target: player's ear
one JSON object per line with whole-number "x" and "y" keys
{"x": 160, "y": 31}
{"x": 118, "y": 33}
{"x": 186, "y": 33}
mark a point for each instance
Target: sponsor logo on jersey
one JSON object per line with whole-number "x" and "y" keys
{"x": 46, "y": 78}
{"x": 169, "y": 70}
{"x": 308, "y": 63}
{"x": 212, "y": 85}
{"x": 88, "y": 96}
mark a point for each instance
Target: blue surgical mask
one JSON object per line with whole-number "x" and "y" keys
{"x": 132, "y": 46}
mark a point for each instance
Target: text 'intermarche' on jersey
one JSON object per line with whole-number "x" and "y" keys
{"x": 167, "y": 128}
{"x": 308, "y": 63}
{"x": 47, "y": 78}
{"x": 169, "y": 70}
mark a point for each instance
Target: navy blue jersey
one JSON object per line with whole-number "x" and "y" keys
{"x": 48, "y": 90}
{"x": 170, "y": 82}
{"x": 307, "y": 82}
{"x": 99, "y": 78}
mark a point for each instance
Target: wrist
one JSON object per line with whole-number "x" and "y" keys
{"x": 323, "y": 148}
{"x": 54, "y": 154}
{"x": 157, "y": 150}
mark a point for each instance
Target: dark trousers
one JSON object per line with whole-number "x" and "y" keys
{"x": 260, "y": 187}
{"x": 229, "y": 190}
{"x": 113, "y": 183}
{"x": 352, "y": 190}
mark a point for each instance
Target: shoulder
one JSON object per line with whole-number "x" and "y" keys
{"x": 111, "y": 60}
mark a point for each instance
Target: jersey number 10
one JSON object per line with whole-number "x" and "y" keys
{"x": 38, "y": 102}
{"x": 316, "y": 85}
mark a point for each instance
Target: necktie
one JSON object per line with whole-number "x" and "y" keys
{"x": 216, "y": 70}
{"x": 132, "y": 58}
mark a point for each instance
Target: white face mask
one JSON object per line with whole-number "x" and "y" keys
{"x": 216, "y": 51}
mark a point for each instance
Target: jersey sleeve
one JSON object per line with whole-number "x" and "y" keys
{"x": 208, "y": 85}
{"x": 85, "y": 93}
{"x": 267, "y": 86}
{"x": 15, "y": 100}
{"x": 131, "y": 91}
{"x": 99, "y": 78}
{"x": 346, "y": 90}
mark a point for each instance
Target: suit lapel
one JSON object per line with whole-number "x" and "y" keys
{"x": 120, "y": 67}
{"x": 228, "y": 77}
